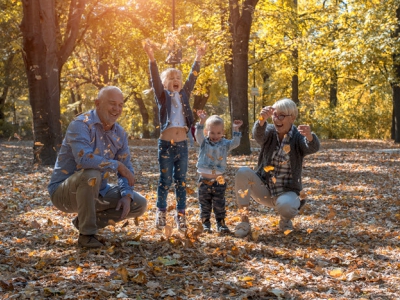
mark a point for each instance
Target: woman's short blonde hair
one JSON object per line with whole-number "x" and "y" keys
{"x": 214, "y": 120}
{"x": 286, "y": 106}
{"x": 167, "y": 72}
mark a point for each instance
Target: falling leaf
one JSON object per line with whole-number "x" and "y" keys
{"x": 195, "y": 73}
{"x": 273, "y": 179}
{"x": 172, "y": 142}
{"x": 65, "y": 172}
{"x": 39, "y": 144}
{"x": 106, "y": 175}
{"x": 268, "y": 168}
{"x": 167, "y": 231}
{"x": 286, "y": 148}
{"x": 92, "y": 181}
{"x": 260, "y": 118}
{"x": 243, "y": 193}
{"x": 255, "y": 234}
{"x": 220, "y": 180}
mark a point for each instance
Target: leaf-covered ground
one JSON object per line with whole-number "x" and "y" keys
{"x": 345, "y": 244}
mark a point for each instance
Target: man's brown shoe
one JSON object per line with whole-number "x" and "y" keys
{"x": 89, "y": 241}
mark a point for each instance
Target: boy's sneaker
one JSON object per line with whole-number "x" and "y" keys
{"x": 161, "y": 219}
{"x": 221, "y": 227}
{"x": 285, "y": 224}
{"x": 180, "y": 220}
{"x": 207, "y": 226}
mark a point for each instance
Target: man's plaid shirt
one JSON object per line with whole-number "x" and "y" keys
{"x": 282, "y": 173}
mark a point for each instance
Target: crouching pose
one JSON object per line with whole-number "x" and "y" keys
{"x": 276, "y": 182}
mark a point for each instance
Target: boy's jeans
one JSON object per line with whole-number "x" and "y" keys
{"x": 211, "y": 198}
{"x": 173, "y": 160}
{"x": 94, "y": 211}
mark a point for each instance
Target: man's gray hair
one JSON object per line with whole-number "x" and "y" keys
{"x": 105, "y": 90}
{"x": 286, "y": 106}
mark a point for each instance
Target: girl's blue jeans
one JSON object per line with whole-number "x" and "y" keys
{"x": 173, "y": 161}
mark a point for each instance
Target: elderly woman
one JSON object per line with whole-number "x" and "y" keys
{"x": 276, "y": 182}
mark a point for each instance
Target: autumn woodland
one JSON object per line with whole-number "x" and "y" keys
{"x": 338, "y": 60}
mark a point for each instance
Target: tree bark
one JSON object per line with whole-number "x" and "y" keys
{"x": 7, "y": 83}
{"x": 333, "y": 86}
{"x": 396, "y": 89}
{"x": 44, "y": 58}
{"x": 145, "y": 116}
{"x": 240, "y": 20}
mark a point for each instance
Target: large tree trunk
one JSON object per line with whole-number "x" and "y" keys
{"x": 44, "y": 59}
{"x": 295, "y": 77}
{"x": 396, "y": 89}
{"x": 240, "y": 17}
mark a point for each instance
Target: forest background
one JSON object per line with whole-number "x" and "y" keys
{"x": 336, "y": 59}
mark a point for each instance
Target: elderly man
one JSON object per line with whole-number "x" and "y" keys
{"x": 93, "y": 147}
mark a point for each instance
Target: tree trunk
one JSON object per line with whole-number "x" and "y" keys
{"x": 44, "y": 58}
{"x": 145, "y": 116}
{"x": 396, "y": 88}
{"x": 200, "y": 102}
{"x": 333, "y": 99}
{"x": 240, "y": 25}
{"x": 7, "y": 83}
{"x": 295, "y": 77}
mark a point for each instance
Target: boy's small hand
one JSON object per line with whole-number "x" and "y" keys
{"x": 202, "y": 114}
{"x": 237, "y": 124}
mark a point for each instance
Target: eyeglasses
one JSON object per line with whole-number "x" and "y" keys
{"x": 280, "y": 117}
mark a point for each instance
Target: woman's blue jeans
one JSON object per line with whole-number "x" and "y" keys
{"x": 173, "y": 161}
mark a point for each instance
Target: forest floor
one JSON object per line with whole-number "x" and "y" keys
{"x": 346, "y": 242}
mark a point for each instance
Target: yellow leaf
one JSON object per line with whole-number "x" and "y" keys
{"x": 172, "y": 142}
{"x": 246, "y": 278}
{"x": 243, "y": 193}
{"x": 286, "y": 148}
{"x": 195, "y": 73}
{"x": 336, "y": 272}
{"x": 309, "y": 230}
{"x": 79, "y": 270}
{"x": 273, "y": 179}
{"x": 39, "y": 144}
{"x": 268, "y": 168}
{"x": 183, "y": 183}
{"x": 106, "y": 175}
{"x": 220, "y": 180}
{"x": 92, "y": 181}
{"x": 286, "y": 232}
{"x": 260, "y": 118}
